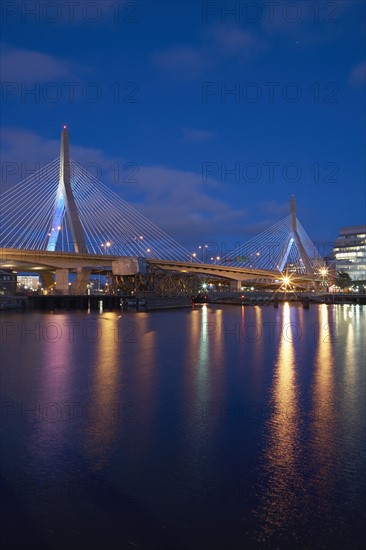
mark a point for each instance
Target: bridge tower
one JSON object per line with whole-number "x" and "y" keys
{"x": 294, "y": 238}
{"x": 65, "y": 203}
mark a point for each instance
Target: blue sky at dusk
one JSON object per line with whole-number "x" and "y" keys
{"x": 206, "y": 120}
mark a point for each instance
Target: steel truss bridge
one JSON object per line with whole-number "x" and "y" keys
{"x": 61, "y": 220}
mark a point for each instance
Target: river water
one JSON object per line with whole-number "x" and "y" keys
{"x": 215, "y": 427}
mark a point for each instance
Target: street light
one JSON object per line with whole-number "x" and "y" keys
{"x": 323, "y": 273}
{"x": 62, "y": 237}
{"x": 106, "y": 245}
{"x": 202, "y": 247}
{"x": 193, "y": 255}
{"x": 138, "y": 240}
{"x": 285, "y": 283}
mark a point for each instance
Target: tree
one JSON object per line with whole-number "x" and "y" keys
{"x": 343, "y": 280}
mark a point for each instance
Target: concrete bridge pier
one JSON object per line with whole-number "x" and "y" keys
{"x": 46, "y": 279}
{"x": 62, "y": 281}
{"x": 82, "y": 278}
{"x": 235, "y": 286}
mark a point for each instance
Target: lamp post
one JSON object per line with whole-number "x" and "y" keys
{"x": 62, "y": 237}
{"x": 202, "y": 247}
{"x": 286, "y": 280}
{"x": 107, "y": 245}
{"x": 323, "y": 273}
{"x": 138, "y": 240}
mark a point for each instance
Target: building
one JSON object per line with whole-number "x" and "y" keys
{"x": 350, "y": 252}
{"x": 28, "y": 282}
{"x": 8, "y": 282}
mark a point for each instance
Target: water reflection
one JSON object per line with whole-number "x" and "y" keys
{"x": 262, "y": 339}
{"x": 324, "y": 414}
{"x": 203, "y": 356}
{"x": 283, "y": 485}
{"x": 187, "y": 466}
{"x": 206, "y": 345}
{"x": 351, "y": 404}
{"x": 102, "y": 412}
{"x": 49, "y": 411}
{"x": 143, "y": 398}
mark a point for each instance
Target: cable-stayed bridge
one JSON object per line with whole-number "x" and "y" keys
{"x": 61, "y": 219}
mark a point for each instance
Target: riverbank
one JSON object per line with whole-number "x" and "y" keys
{"x": 93, "y": 303}
{"x": 152, "y": 303}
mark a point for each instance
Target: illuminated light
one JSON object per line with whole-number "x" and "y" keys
{"x": 141, "y": 237}
{"x": 286, "y": 280}
{"x": 108, "y": 243}
{"x": 204, "y": 286}
{"x": 65, "y": 126}
{"x": 148, "y": 250}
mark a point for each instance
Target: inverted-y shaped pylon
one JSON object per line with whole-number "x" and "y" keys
{"x": 294, "y": 239}
{"x": 283, "y": 243}
{"x": 65, "y": 203}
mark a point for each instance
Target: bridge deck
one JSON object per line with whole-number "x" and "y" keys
{"x": 42, "y": 260}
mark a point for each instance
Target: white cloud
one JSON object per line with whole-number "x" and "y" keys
{"x": 29, "y": 65}
{"x": 195, "y": 135}
{"x": 358, "y": 74}
{"x": 219, "y": 44}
